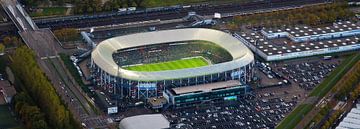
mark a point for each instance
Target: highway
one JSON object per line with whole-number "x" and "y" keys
{"x": 46, "y": 47}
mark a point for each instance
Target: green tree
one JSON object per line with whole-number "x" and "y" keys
{"x": 138, "y": 3}
{"x": 107, "y": 6}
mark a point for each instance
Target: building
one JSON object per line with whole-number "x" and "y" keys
{"x": 136, "y": 84}
{"x": 157, "y": 102}
{"x": 351, "y": 121}
{"x": 151, "y": 121}
{"x": 294, "y": 42}
{"x": 7, "y": 90}
{"x": 193, "y": 95}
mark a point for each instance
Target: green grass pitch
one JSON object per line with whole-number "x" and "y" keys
{"x": 170, "y": 65}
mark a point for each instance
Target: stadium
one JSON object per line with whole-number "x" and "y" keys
{"x": 145, "y": 64}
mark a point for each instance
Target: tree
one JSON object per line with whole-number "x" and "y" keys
{"x": 107, "y": 6}
{"x": 138, "y": 3}
{"x": 66, "y": 34}
{"x": 38, "y": 86}
{"x": 12, "y": 41}
{"x": 97, "y": 5}
{"x": 40, "y": 124}
{"x": 89, "y": 9}
{"x": 129, "y": 3}
{"x": 2, "y": 48}
{"x": 7, "y": 40}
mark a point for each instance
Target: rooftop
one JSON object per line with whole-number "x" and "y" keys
{"x": 151, "y": 121}
{"x": 206, "y": 87}
{"x": 285, "y": 45}
{"x": 351, "y": 120}
{"x": 7, "y": 90}
{"x": 157, "y": 101}
{"x": 307, "y": 31}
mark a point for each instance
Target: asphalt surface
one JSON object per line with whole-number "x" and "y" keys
{"x": 46, "y": 47}
{"x": 244, "y": 113}
{"x": 108, "y": 18}
{"x": 83, "y": 21}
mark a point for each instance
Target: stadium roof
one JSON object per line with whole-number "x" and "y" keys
{"x": 102, "y": 54}
{"x": 151, "y": 121}
{"x": 206, "y": 87}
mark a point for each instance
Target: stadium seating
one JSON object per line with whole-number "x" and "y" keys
{"x": 171, "y": 51}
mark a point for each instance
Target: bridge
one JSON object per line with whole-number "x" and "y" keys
{"x": 47, "y": 47}
{"x": 41, "y": 40}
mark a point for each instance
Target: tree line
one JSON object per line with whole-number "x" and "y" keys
{"x": 41, "y": 91}
{"x": 29, "y": 113}
{"x": 12, "y": 41}
{"x": 91, "y": 6}
{"x": 347, "y": 87}
{"x": 311, "y": 15}
{"x": 349, "y": 84}
{"x": 67, "y": 34}
{"x": 333, "y": 117}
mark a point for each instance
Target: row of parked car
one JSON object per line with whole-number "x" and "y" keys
{"x": 308, "y": 74}
{"x": 246, "y": 113}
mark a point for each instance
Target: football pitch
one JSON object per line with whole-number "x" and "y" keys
{"x": 170, "y": 65}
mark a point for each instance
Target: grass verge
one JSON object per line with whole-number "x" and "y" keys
{"x": 320, "y": 91}
{"x": 335, "y": 76}
{"x": 49, "y": 11}
{"x": 295, "y": 116}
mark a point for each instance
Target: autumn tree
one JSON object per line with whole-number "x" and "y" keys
{"x": 38, "y": 86}
{"x": 67, "y": 34}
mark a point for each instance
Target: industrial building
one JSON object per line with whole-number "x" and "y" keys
{"x": 351, "y": 121}
{"x": 295, "y": 42}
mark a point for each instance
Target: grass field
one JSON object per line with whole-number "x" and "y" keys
{"x": 49, "y": 11}
{"x": 170, "y": 65}
{"x": 6, "y": 119}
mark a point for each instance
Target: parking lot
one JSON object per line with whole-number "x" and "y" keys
{"x": 267, "y": 77}
{"x": 249, "y": 112}
{"x": 307, "y": 74}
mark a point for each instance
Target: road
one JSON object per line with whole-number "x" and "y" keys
{"x": 109, "y": 18}
{"x": 69, "y": 88}
{"x": 83, "y": 21}
{"x": 46, "y": 47}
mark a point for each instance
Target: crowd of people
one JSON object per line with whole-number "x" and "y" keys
{"x": 171, "y": 51}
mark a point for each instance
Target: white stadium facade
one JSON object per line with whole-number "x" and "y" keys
{"x": 139, "y": 84}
